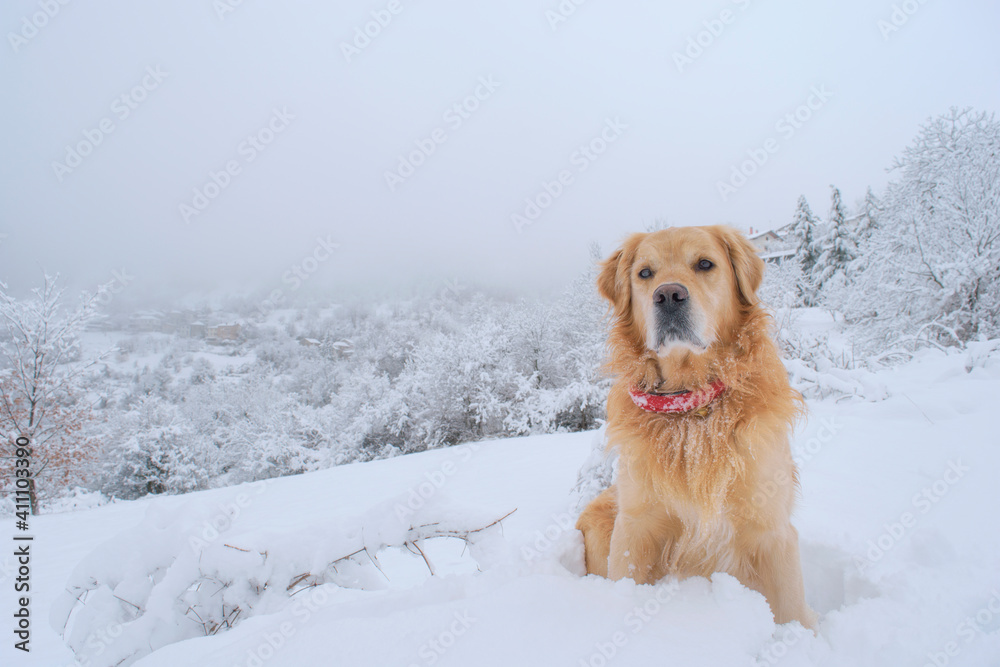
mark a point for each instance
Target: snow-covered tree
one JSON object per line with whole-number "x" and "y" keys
{"x": 803, "y": 232}
{"x": 868, "y": 218}
{"x": 837, "y": 248}
{"x": 934, "y": 261}
{"x": 41, "y": 387}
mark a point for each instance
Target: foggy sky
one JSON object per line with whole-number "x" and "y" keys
{"x": 189, "y": 90}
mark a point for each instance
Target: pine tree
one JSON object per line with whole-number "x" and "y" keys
{"x": 804, "y": 233}
{"x": 837, "y": 248}
{"x": 868, "y": 222}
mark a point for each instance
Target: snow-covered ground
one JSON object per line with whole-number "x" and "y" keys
{"x": 897, "y": 522}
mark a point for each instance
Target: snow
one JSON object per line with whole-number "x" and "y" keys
{"x": 898, "y": 544}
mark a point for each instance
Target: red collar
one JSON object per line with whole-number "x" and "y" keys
{"x": 682, "y": 401}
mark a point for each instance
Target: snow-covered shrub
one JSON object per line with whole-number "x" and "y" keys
{"x": 202, "y": 372}
{"x": 149, "y": 382}
{"x": 153, "y": 448}
{"x": 580, "y": 405}
{"x": 369, "y": 417}
{"x": 462, "y": 387}
{"x": 257, "y": 431}
{"x": 783, "y": 285}
{"x": 820, "y": 359}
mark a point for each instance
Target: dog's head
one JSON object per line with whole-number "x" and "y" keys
{"x": 683, "y": 287}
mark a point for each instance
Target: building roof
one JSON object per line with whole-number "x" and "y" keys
{"x": 777, "y": 254}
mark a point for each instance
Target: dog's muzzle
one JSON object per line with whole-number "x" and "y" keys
{"x": 673, "y": 317}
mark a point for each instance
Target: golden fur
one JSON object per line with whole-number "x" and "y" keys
{"x": 698, "y": 494}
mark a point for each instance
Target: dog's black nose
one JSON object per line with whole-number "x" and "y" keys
{"x": 670, "y": 293}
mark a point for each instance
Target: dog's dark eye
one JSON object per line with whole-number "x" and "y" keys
{"x": 705, "y": 265}
{"x": 645, "y": 273}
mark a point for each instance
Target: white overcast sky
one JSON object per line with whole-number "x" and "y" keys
{"x": 323, "y": 175}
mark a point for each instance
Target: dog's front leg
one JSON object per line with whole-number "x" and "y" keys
{"x": 636, "y": 548}
{"x": 778, "y": 576}
{"x": 639, "y": 534}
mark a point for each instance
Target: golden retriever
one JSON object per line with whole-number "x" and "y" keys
{"x": 700, "y": 413}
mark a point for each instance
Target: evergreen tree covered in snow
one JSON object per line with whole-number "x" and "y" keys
{"x": 868, "y": 220}
{"x": 837, "y": 248}
{"x": 804, "y": 234}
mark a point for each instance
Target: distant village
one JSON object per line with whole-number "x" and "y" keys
{"x": 191, "y": 324}
{"x": 186, "y": 323}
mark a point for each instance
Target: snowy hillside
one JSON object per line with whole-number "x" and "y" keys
{"x": 898, "y": 539}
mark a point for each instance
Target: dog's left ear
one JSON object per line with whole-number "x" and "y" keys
{"x": 747, "y": 265}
